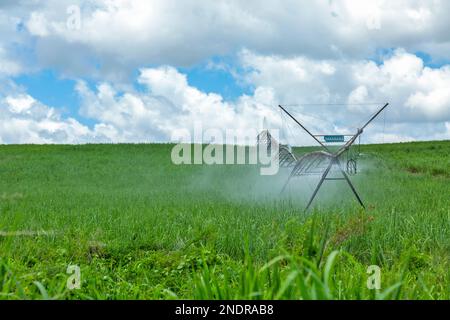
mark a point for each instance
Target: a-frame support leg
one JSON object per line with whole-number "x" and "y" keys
{"x": 351, "y": 185}
{"x": 324, "y": 176}
{"x": 320, "y": 183}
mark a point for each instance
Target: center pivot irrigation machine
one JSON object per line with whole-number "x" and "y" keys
{"x": 319, "y": 162}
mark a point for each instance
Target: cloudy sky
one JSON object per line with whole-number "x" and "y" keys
{"x": 138, "y": 70}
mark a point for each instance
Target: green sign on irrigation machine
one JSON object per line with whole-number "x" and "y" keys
{"x": 334, "y": 138}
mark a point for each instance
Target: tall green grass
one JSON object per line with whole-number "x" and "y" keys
{"x": 140, "y": 227}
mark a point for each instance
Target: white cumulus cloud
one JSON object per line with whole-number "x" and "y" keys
{"x": 25, "y": 120}
{"x": 287, "y": 51}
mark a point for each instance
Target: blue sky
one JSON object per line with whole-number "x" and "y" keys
{"x": 53, "y": 89}
{"x": 121, "y": 71}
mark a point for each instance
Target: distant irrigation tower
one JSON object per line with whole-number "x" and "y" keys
{"x": 318, "y": 162}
